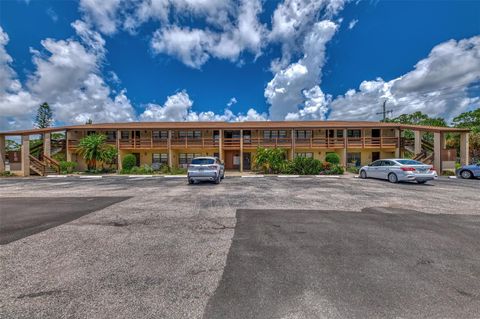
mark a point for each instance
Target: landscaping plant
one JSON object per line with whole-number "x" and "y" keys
{"x": 128, "y": 162}
{"x": 92, "y": 148}
{"x": 67, "y": 167}
{"x": 332, "y": 158}
{"x": 269, "y": 160}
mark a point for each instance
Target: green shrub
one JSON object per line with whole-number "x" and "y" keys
{"x": 164, "y": 169}
{"x": 7, "y": 174}
{"x": 178, "y": 171}
{"x": 304, "y": 166}
{"x": 59, "y": 157}
{"x": 332, "y": 158}
{"x": 67, "y": 167}
{"x": 129, "y": 162}
{"x": 448, "y": 173}
{"x": 353, "y": 169}
{"x": 269, "y": 160}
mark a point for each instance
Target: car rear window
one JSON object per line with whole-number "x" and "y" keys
{"x": 203, "y": 161}
{"x": 409, "y": 162}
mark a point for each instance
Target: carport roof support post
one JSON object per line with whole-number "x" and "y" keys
{"x": 464, "y": 149}
{"x": 47, "y": 142}
{"x": 437, "y": 151}
{"x": 25, "y": 155}
{"x": 418, "y": 141}
{"x": 3, "y": 152}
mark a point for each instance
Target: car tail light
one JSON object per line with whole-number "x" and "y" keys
{"x": 432, "y": 169}
{"x": 407, "y": 169}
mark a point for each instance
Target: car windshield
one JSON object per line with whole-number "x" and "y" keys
{"x": 203, "y": 161}
{"x": 409, "y": 162}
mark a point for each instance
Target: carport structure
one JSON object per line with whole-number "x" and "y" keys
{"x": 176, "y": 143}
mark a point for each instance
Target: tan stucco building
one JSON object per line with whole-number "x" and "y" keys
{"x": 176, "y": 143}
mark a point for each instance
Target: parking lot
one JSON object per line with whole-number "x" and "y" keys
{"x": 155, "y": 247}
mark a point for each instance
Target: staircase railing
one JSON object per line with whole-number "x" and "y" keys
{"x": 37, "y": 166}
{"x": 50, "y": 162}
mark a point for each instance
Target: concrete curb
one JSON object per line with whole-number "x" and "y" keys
{"x": 328, "y": 176}
{"x": 56, "y": 176}
{"x": 175, "y": 176}
{"x": 252, "y": 176}
{"x": 91, "y": 176}
{"x": 286, "y": 176}
{"x": 139, "y": 176}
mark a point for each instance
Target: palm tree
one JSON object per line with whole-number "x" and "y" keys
{"x": 92, "y": 148}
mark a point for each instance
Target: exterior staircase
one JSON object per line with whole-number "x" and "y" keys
{"x": 43, "y": 165}
{"x": 425, "y": 156}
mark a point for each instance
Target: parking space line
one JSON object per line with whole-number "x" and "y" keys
{"x": 328, "y": 176}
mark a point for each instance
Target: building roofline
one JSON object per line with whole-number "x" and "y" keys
{"x": 235, "y": 125}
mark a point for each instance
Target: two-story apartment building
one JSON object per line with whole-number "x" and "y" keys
{"x": 176, "y": 143}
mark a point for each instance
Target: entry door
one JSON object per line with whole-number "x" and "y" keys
{"x": 137, "y": 159}
{"x": 375, "y": 156}
{"x": 247, "y": 165}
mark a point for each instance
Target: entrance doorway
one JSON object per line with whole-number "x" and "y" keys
{"x": 232, "y": 159}
{"x": 375, "y": 156}
{"x": 137, "y": 159}
{"x": 247, "y": 161}
{"x": 375, "y": 132}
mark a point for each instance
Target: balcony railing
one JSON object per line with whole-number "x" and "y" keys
{"x": 254, "y": 142}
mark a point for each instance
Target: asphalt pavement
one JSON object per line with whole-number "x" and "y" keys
{"x": 388, "y": 263}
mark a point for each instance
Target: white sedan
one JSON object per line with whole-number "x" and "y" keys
{"x": 399, "y": 170}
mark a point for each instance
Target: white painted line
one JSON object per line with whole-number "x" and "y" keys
{"x": 249, "y": 176}
{"x": 328, "y": 176}
{"x": 91, "y": 176}
{"x": 356, "y": 176}
{"x": 283, "y": 176}
{"x": 175, "y": 176}
{"x": 141, "y": 176}
{"x": 57, "y": 176}
{"x": 452, "y": 177}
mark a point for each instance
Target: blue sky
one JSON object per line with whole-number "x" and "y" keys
{"x": 240, "y": 60}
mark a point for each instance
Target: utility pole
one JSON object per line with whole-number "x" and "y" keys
{"x": 384, "y": 110}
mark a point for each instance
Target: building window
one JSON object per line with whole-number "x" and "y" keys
{"x": 190, "y": 134}
{"x": 339, "y": 133}
{"x": 91, "y": 133}
{"x": 160, "y": 135}
{"x": 303, "y": 134}
{"x": 161, "y": 158}
{"x": 354, "y": 159}
{"x": 274, "y": 134}
{"x": 125, "y": 135}
{"x": 111, "y": 135}
{"x": 186, "y": 158}
{"x": 354, "y": 133}
{"x": 304, "y": 154}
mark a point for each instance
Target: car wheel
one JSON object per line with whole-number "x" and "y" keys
{"x": 223, "y": 176}
{"x": 217, "y": 180}
{"x": 421, "y": 182}
{"x": 392, "y": 178}
{"x": 190, "y": 181}
{"x": 466, "y": 174}
{"x": 363, "y": 174}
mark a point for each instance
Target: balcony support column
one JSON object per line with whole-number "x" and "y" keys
{"x": 397, "y": 148}
{"x": 169, "y": 147}
{"x": 345, "y": 146}
{"x": 292, "y": 155}
{"x": 3, "y": 153}
{"x": 241, "y": 151}
{"x": 119, "y": 156}
{"x": 68, "y": 136}
{"x": 464, "y": 148}
{"x": 220, "y": 146}
{"x": 47, "y": 142}
{"x": 25, "y": 155}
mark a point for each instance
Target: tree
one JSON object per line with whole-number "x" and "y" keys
{"x": 109, "y": 155}
{"x": 44, "y": 116}
{"x": 418, "y": 118}
{"x": 92, "y": 148}
{"x": 269, "y": 160}
{"x": 471, "y": 120}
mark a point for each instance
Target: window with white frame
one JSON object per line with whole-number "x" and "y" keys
{"x": 354, "y": 159}
{"x": 125, "y": 135}
{"x": 304, "y": 154}
{"x": 159, "y": 158}
{"x": 190, "y": 134}
{"x": 273, "y": 134}
{"x": 160, "y": 135}
{"x": 186, "y": 158}
{"x": 303, "y": 134}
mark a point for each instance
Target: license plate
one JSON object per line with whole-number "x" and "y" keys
{"x": 421, "y": 170}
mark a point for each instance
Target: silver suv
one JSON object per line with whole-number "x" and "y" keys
{"x": 205, "y": 169}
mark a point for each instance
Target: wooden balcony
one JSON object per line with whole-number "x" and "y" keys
{"x": 189, "y": 142}
{"x": 252, "y": 143}
{"x": 143, "y": 143}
